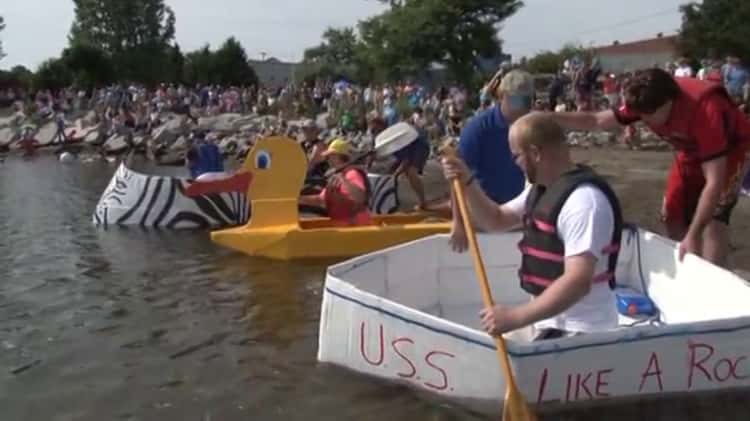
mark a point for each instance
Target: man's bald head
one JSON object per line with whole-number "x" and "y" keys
{"x": 537, "y": 129}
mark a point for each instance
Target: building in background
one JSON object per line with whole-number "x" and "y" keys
{"x": 627, "y": 57}
{"x": 272, "y": 72}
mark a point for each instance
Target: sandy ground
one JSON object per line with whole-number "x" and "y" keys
{"x": 638, "y": 177}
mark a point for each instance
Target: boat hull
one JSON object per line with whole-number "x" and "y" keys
{"x": 151, "y": 201}
{"x": 315, "y": 238}
{"x": 385, "y": 316}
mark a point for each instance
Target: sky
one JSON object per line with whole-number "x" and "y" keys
{"x": 37, "y": 29}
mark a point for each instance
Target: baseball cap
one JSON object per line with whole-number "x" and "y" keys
{"x": 517, "y": 82}
{"x": 338, "y": 146}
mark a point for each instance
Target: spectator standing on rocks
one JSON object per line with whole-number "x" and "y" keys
{"x": 611, "y": 88}
{"x": 735, "y": 76}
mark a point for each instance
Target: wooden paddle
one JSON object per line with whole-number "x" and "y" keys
{"x": 515, "y": 407}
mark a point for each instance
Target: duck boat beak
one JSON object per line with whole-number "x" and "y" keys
{"x": 238, "y": 182}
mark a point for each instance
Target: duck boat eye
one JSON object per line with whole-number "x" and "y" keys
{"x": 263, "y": 160}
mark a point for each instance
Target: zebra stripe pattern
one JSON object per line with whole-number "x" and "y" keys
{"x": 149, "y": 201}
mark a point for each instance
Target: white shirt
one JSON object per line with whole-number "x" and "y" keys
{"x": 685, "y": 71}
{"x": 585, "y": 224}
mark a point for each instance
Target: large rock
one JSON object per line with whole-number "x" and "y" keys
{"x": 95, "y": 135}
{"x": 7, "y": 135}
{"x": 90, "y": 119}
{"x": 250, "y": 128}
{"x": 239, "y": 120}
{"x": 221, "y": 123}
{"x": 179, "y": 144}
{"x": 7, "y": 121}
{"x": 178, "y": 125}
{"x": 116, "y": 144}
{"x": 167, "y": 133}
{"x": 46, "y": 133}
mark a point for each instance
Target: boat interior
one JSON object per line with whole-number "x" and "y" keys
{"x": 428, "y": 276}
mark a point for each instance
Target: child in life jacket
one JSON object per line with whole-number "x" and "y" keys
{"x": 346, "y": 195}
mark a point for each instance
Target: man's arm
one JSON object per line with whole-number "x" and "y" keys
{"x": 714, "y": 171}
{"x": 470, "y": 151}
{"x": 712, "y": 148}
{"x": 354, "y": 192}
{"x": 485, "y": 213}
{"x": 583, "y": 121}
{"x": 316, "y": 155}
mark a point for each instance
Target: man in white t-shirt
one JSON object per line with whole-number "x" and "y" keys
{"x": 572, "y": 224}
{"x": 683, "y": 68}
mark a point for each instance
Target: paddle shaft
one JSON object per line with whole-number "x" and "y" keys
{"x": 354, "y": 161}
{"x": 502, "y": 351}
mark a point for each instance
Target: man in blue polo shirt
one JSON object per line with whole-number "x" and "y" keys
{"x": 484, "y": 144}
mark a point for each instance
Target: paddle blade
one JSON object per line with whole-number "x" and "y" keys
{"x": 516, "y": 408}
{"x": 238, "y": 182}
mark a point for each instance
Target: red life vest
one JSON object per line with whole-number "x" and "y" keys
{"x": 355, "y": 210}
{"x": 543, "y": 252}
{"x": 679, "y": 130}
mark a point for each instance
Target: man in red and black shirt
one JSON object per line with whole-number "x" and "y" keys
{"x": 711, "y": 137}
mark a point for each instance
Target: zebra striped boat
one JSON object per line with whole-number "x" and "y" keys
{"x": 153, "y": 201}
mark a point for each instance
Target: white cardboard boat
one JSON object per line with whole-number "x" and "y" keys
{"x": 152, "y": 201}
{"x": 418, "y": 324}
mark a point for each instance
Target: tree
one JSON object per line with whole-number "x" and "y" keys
{"x": 21, "y": 73}
{"x": 544, "y": 62}
{"x": 226, "y": 66}
{"x": 2, "y": 26}
{"x": 413, "y": 36}
{"x": 393, "y": 3}
{"x": 338, "y": 56}
{"x": 199, "y": 66}
{"x": 135, "y": 33}
{"x": 52, "y": 74}
{"x": 89, "y": 65}
{"x": 176, "y": 63}
{"x": 417, "y": 33}
{"x": 231, "y": 65}
{"x": 552, "y": 61}
{"x": 18, "y": 76}
{"x": 715, "y": 28}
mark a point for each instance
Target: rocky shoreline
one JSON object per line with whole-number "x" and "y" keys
{"x": 234, "y": 133}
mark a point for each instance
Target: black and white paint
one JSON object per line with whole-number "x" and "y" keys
{"x": 150, "y": 201}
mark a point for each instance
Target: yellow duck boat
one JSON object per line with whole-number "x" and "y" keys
{"x": 278, "y": 166}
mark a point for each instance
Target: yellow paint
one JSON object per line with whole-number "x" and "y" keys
{"x": 279, "y": 165}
